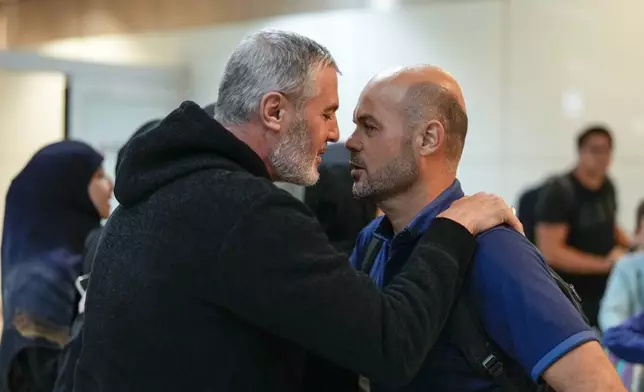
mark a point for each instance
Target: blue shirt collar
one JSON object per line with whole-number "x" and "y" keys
{"x": 421, "y": 221}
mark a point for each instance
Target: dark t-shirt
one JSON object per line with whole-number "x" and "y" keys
{"x": 590, "y": 216}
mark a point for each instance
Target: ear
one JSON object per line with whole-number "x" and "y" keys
{"x": 272, "y": 110}
{"x": 432, "y": 136}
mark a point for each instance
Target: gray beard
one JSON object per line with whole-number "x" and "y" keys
{"x": 291, "y": 159}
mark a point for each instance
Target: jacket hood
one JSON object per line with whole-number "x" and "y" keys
{"x": 185, "y": 142}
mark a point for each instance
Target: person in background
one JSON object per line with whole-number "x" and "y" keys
{"x": 52, "y": 205}
{"x": 341, "y": 215}
{"x": 208, "y": 277}
{"x": 626, "y": 340}
{"x": 410, "y": 132}
{"x": 624, "y": 298}
{"x": 576, "y": 226}
{"x": 65, "y": 379}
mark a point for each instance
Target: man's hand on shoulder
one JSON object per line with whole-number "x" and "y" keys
{"x": 481, "y": 212}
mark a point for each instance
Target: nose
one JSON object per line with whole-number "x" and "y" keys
{"x": 352, "y": 143}
{"x": 334, "y": 133}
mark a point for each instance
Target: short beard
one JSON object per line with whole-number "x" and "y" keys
{"x": 396, "y": 177}
{"x": 291, "y": 159}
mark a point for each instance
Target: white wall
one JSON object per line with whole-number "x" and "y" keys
{"x": 106, "y": 103}
{"x": 534, "y": 72}
{"x": 33, "y": 115}
{"x": 570, "y": 63}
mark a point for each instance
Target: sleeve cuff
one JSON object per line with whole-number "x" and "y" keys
{"x": 454, "y": 239}
{"x": 559, "y": 351}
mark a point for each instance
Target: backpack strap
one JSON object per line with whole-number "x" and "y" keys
{"x": 570, "y": 293}
{"x": 373, "y": 248}
{"x": 466, "y": 331}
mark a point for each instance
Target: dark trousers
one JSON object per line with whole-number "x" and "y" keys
{"x": 34, "y": 369}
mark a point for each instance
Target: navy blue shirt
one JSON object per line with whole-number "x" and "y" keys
{"x": 522, "y": 308}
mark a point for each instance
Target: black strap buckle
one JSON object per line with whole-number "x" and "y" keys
{"x": 493, "y": 366}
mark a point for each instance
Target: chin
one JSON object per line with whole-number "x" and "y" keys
{"x": 311, "y": 179}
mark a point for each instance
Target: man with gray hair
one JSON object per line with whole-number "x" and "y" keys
{"x": 209, "y": 278}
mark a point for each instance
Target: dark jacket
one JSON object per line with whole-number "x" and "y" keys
{"x": 210, "y": 278}
{"x": 71, "y": 352}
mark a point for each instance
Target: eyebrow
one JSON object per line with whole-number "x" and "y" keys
{"x": 332, "y": 108}
{"x": 363, "y": 118}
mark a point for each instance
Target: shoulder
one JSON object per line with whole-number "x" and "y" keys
{"x": 610, "y": 186}
{"x": 510, "y": 277}
{"x": 506, "y": 262}
{"x": 502, "y": 244}
{"x": 562, "y": 184}
{"x": 233, "y": 188}
{"x": 631, "y": 263}
{"x": 552, "y": 190}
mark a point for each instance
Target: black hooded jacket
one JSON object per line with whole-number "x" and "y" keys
{"x": 210, "y": 278}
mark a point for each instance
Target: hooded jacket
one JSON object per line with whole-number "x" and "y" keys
{"x": 210, "y": 278}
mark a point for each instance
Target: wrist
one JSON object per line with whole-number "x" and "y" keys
{"x": 461, "y": 220}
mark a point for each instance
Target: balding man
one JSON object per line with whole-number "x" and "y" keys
{"x": 410, "y": 131}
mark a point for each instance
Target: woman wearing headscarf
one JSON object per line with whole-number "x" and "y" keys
{"x": 69, "y": 357}
{"x": 52, "y": 205}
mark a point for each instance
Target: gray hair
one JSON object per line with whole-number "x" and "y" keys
{"x": 269, "y": 60}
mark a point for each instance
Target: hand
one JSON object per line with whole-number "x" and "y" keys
{"x": 616, "y": 254}
{"x": 482, "y": 212}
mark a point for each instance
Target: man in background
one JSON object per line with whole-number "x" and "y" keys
{"x": 576, "y": 221}
{"x": 410, "y": 132}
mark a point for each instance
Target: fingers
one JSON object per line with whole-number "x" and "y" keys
{"x": 508, "y": 213}
{"x": 495, "y": 211}
{"x": 514, "y": 222}
{"x": 481, "y": 212}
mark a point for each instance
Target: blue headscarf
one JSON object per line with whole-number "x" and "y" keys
{"x": 48, "y": 215}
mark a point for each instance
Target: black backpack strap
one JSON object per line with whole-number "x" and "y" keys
{"x": 570, "y": 293}
{"x": 466, "y": 331}
{"x": 373, "y": 248}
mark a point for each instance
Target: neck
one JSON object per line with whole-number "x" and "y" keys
{"x": 251, "y": 135}
{"x": 402, "y": 208}
{"x": 588, "y": 179}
